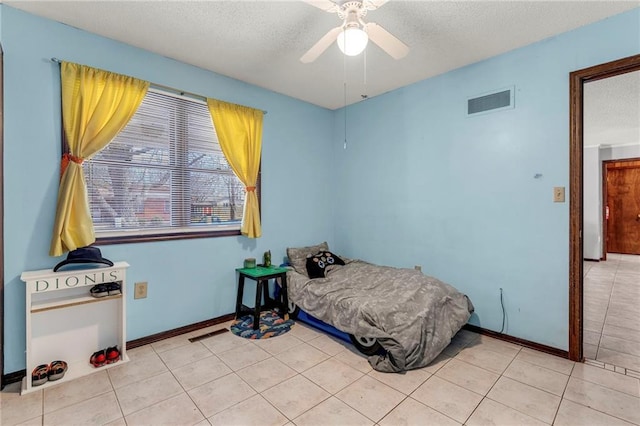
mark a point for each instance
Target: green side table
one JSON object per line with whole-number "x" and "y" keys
{"x": 262, "y": 276}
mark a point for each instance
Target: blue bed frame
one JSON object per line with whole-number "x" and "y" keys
{"x": 327, "y": 328}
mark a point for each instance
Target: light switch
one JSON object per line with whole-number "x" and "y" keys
{"x": 558, "y": 194}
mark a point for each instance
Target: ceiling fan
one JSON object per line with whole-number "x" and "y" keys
{"x": 353, "y": 34}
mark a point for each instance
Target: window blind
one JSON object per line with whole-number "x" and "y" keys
{"x": 165, "y": 172}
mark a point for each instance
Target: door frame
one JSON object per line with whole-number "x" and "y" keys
{"x": 604, "y": 210}
{"x": 576, "y": 134}
{"x": 2, "y": 323}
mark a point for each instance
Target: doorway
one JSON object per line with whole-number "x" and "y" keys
{"x": 576, "y": 207}
{"x": 611, "y": 120}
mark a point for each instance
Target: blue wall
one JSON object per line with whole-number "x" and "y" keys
{"x": 189, "y": 280}
{"x": 422, "y": 184}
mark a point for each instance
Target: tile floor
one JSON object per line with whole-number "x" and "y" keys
{"x": 612, "y": 311}
{"x": 307, "y": 378}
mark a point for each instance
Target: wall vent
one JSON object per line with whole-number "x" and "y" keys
{"x": 491, "y": 102}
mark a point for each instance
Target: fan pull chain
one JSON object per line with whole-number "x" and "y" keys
{"x": 365, "y": 95}
{"x": 345, "y": 116}
{"x": 344, "y": 78}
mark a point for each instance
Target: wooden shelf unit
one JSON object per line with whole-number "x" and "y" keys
{"x": 64, "y": 322}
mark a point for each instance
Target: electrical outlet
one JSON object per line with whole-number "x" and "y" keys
{"x": 418, "y": 268}
{"x": 558, "y": 194}
{"x": 140, "y": 290}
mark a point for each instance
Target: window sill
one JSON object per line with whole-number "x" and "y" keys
{"x": 146, "y": 238}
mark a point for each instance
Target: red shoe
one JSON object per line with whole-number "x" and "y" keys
{"x": 98, "y": 359}
{"x": 57, "y": 370}
{"x": 113, "y": 355}
{"x": 40, "y": 375}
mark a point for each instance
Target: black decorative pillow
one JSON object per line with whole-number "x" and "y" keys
{"x": 317, "y": 264}
{"x": 298, "y": 256}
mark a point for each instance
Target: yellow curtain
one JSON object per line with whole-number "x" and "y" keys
{"x": 239, "y": 130}
{"x": 96, "y": 106}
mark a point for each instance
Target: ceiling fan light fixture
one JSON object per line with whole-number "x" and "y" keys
{"x": 352, "y": 41}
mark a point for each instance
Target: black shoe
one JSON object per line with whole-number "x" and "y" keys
{"x": 113, "y": 289}
{"x": 99, "y": 290}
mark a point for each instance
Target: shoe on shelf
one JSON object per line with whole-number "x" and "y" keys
{"x": 57, "y": 370}
{"x": 113, "y": 288}
{"x": 40, "y": 375}
{"x": 99, "y": 358}
{"x": 113, "y": 354}
{"x": 99, "y": 290}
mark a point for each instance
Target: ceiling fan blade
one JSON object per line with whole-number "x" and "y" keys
{"x": 387, "y": 41}
{"x": 322, "y": 45}
{"x": 326, "y": 5}
{"x": 373, "y": 4}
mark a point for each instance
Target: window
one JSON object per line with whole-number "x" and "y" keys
{"x": 164, "y": 176}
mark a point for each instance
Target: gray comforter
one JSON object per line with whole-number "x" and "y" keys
{"x": 412, "y": 315}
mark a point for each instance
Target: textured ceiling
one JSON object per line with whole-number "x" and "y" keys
{"x": 612, "y": 110}
{"x": 260, "y": 42}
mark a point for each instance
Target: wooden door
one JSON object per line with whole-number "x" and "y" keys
{"x": 623, "y": 201}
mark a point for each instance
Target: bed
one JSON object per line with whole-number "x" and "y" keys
{"x": 410, "y": 315}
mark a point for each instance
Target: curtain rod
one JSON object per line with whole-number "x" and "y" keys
{"x": 171, "y": 89}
